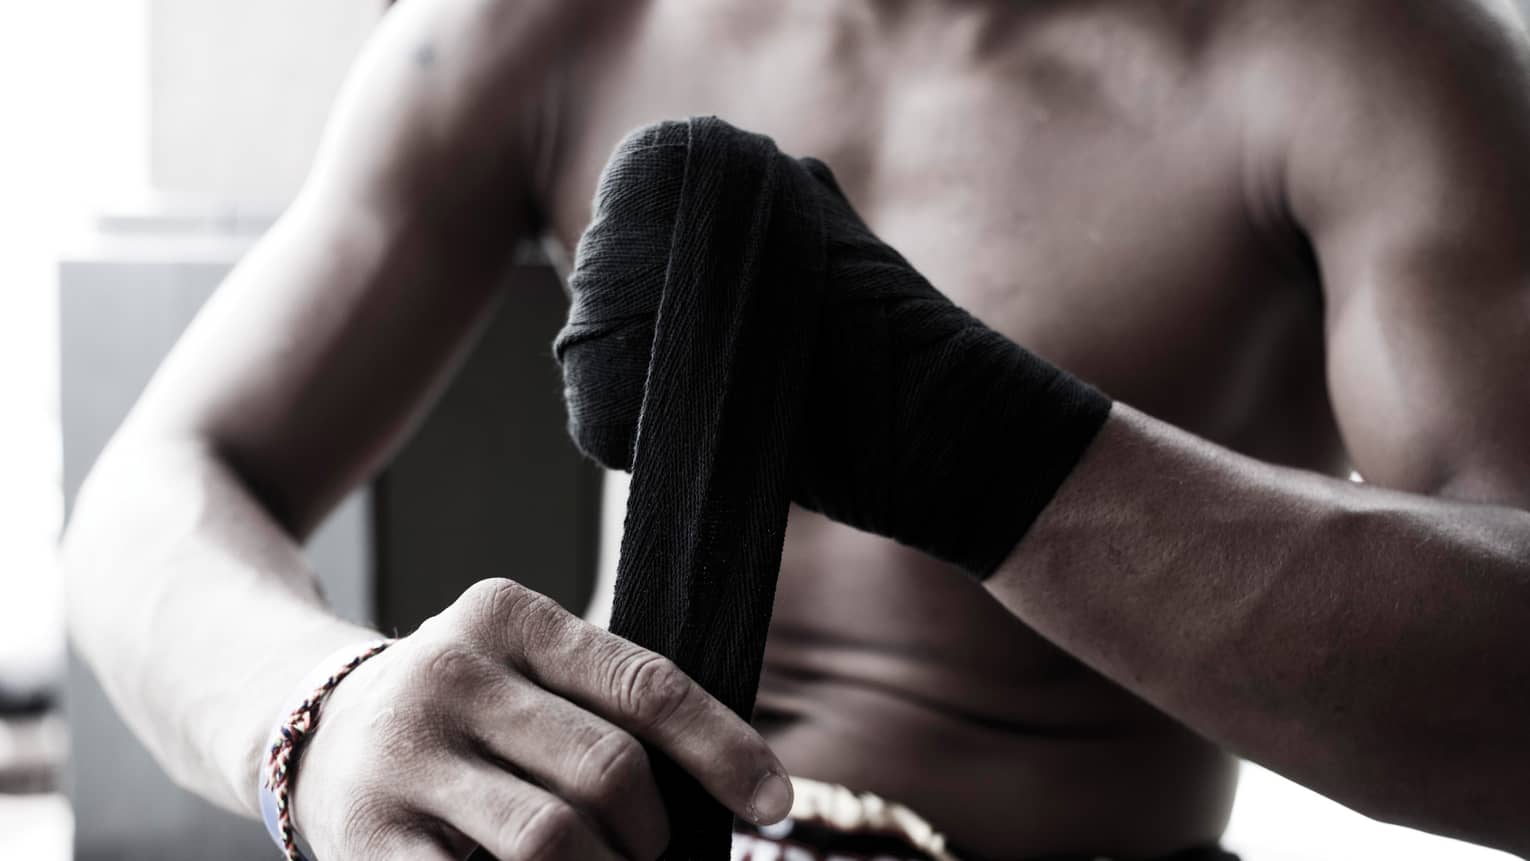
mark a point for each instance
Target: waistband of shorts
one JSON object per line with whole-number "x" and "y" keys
{"x": 837, "y": 809}
{"x": 840, "y": 811}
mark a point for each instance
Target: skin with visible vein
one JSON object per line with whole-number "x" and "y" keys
{"x": 1288, "y": 237}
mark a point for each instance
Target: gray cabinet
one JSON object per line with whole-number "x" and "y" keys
{"x": 489, "y": 486}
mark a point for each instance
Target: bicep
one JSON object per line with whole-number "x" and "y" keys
{"x": 311, "y": 361}
{"x": 1429, "y": 372}
{"x": 1411, "y": 174}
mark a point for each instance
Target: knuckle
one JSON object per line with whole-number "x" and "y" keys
{"x": 650, "y": 689}
{"x": 371, "y": 826}
{"x": 448, "y": 665}
{"x": 409, "y": 721}
{"x": 405, "y": 735}
{"x": 612, "y": 767}
{"x": 496, "y": 611}
{"x": 488, "y": 599}
{"x": 549, "y": 833}
{"x": 542, "y": 622}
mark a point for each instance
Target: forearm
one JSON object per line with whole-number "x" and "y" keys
{"x": 194, "y": 608}
{"x": 1366, "y": 642}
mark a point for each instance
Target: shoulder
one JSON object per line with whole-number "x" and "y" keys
{"x": 474, "y": 44}
{"x": 1298, "y": 58}
{"x": 1371, "y": 106}
{"x": 453, "y": 97}
{"x": 488, "y": 39}
{"x": 1367, "y": 36}
{"x": 1341, "y": 65}
{"x": 1400, "y": 130}
{"x": 499, "y": 18}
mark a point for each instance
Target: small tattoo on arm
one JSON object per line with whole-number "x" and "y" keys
{"x": 425, "y": 56}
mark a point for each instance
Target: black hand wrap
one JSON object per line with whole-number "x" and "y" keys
{"x": 739, "y": 339}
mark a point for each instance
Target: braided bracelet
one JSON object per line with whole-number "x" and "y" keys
{"x": 288, "y": 738}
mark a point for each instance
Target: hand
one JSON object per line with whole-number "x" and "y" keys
{"x": 508, "y": 723}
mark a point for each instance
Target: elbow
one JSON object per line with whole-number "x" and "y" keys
{"x": 130, "y": 501}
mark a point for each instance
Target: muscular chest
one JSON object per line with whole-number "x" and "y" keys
{"x": 1093, "y": 214}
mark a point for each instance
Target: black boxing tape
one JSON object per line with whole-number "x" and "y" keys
{"x": 739, "y": 339}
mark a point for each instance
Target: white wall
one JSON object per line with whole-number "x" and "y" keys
{"x": 74, "y": 91}
{"x": 74, "y": 115}
{"x": 241, "y": 90}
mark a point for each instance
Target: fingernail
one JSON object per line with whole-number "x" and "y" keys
{"x": 772, "y": 799}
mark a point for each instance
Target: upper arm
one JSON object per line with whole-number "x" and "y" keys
{"x": 1409, "y": 167}
{"x": 309, "y": 363}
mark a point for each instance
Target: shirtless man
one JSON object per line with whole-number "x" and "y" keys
{"x": 1289, "y": 238}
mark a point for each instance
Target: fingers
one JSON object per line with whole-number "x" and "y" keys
{"x": 645, "y": 694}
{"x": 511, "y": 819}
{"x": 595, "y": 766}
{"x": 655, "y": 700}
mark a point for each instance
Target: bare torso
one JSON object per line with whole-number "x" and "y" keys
{"x": 1075, "y": 175}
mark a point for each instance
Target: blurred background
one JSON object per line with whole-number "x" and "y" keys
{"x": 146, "y": 144}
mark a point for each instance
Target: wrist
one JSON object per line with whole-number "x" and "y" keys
{"x": 272, "y": 689}
{"x": 983, "y": 445}
{"x": 290, "y": 734}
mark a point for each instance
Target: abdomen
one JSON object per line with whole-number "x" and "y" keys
{"x": 892, "y": 673}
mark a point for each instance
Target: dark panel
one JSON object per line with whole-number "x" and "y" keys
{"x": 491, "y": 486}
